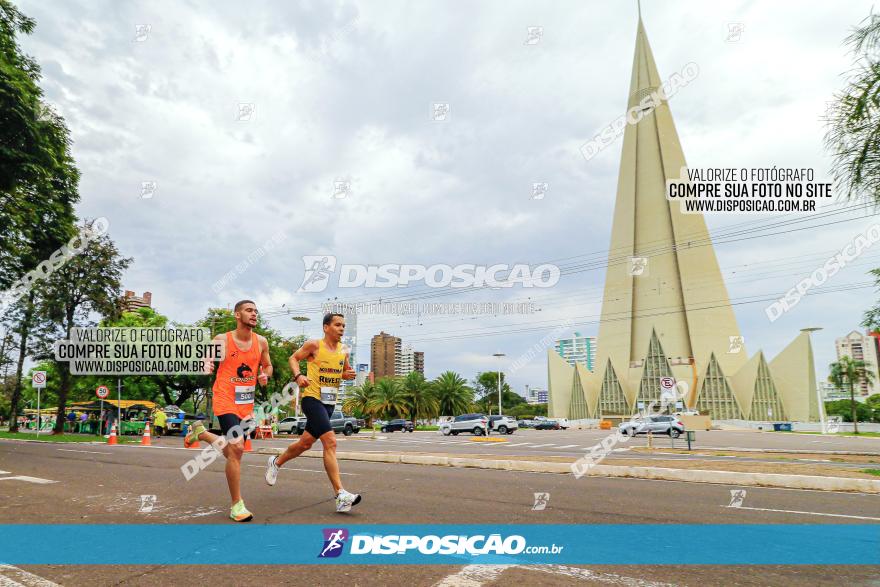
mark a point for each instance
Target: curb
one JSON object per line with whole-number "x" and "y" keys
{"x": 687, "y": 475}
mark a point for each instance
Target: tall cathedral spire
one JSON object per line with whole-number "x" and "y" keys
{"x": 662, "y": 274}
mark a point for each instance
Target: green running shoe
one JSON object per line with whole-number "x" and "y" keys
{"x": 239, "y": 513}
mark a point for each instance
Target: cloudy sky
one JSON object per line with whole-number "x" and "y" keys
{"x": 244, "y": 118}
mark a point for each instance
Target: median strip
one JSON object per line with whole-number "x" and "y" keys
{"x": 813, "y": 482}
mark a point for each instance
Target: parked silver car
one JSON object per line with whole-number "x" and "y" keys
{"x": 288, "y": 425}
{"x": 659, "y": 424}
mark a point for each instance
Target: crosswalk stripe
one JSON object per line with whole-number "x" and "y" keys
{"x": 28, "y": 479}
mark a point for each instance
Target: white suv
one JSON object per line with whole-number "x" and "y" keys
{"x": 503, "y": 424}
{"x": 474, "y": 423}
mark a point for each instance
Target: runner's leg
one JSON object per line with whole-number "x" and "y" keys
{"x": 328, "y": 441}
{"x": 295, "y": 449}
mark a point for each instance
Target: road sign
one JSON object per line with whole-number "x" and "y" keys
{"x": 667, "y": 384}
{"x": 39, "y": 379}
{"x": 102, "y": 391}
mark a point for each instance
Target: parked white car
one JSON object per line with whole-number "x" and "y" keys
{"x": 563, "y": 423}
{"x": 503, "y": 424}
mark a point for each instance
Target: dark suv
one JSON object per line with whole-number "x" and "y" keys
{"x": 399, "y": 424}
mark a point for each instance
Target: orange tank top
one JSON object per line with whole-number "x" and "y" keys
{"x": 237, "y": 378}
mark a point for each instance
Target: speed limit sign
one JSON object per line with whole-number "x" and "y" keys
{"x": 102, "y": 391}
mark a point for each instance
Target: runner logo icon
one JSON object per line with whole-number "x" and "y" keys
{"x": 334, "y": 541}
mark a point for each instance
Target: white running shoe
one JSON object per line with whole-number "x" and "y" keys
{"x": 345, "y": 500}
{"x": 272, "y": 471}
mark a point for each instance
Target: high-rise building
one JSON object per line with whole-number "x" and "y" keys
{"x": 406, "y": 361}
{"x": 132, "y": 302}
{"x": 665, "y": 310}
{"x": 349, "y": 339}
{"x": 384, "y": 354}
{"x": 861, "y": 347}
{"x": 419, "y": 361}
{"x": 578, "y": 349}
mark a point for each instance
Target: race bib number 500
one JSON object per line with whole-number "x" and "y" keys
{"x": 244, "y": 394}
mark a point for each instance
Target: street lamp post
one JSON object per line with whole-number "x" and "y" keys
{"x": 499, "y": 355}
{"x": 302, "y": 320}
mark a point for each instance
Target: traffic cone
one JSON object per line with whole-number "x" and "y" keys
{"x": 112, "y": 439}
{"x": 247, "y": 444}
{"x": 145, "y": 439}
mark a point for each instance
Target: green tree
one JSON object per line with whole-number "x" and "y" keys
{"x": 872, "y": 316}
{"x": 853, "y": 135}
{"x": 847, "y": 373}
{"x": 454, "y": 396}
{"x": 359, "y": 402}
{"x": 845, "y": 409}
{"x": 420, "y": 397}
{"x": 389, "y": 400}
{"x": 38, "y": 184}
{"x": 87, "y": 283}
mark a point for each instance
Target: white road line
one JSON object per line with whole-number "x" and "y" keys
{"x": 742, "y": 507}
{"x": 14, "y": 577}
{"x": 541, "y": 445}
{"x": 477, "y": 575}
{"x": 295, "y": 469}
{"x": 4, "y": 472}
{"x": 568, "y": 446}
{"x": 521, "y": 444}
{"x": 94, "y": 452}
{"x": 27, "y": 479}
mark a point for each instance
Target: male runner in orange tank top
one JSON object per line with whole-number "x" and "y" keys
{"x": 247, "y": 354}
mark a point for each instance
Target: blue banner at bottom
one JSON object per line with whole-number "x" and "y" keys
{"x": 648, "y": 544}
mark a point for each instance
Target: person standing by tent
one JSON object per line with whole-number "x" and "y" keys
{"x": 159, "y": 420}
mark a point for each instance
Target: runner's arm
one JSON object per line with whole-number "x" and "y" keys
{"x": 306, "y": 351}
{"x": 347, "y": 371}
{"x": 265, "y": 360}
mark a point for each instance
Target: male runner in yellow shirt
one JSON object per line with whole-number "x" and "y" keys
{"x": 327, "y": 367}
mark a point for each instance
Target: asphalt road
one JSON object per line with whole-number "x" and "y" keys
{"x": 576, "y": 443}
{"x": 100, "y": 484}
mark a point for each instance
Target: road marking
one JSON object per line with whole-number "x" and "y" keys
{"x": 27, "y": 479}
{"x": 94, "y": 452}
{"x": 542, "y": 445}
{"x": 742, "y": 507}
{"x": 14, "y": 577}
{"x": 295, "y": 469}
{"x": 568, "y": 446}
{"x": 476, "y": 575}
{"x": 521, "y": 444}
{"x": 4, "y": 472}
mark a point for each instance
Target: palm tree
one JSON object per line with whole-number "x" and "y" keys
{"x": 849, "y": 372}
{"x": 454, "y": 397}
{"x": 389, "y": 400}
{"x": 358, "y": 401}
{"x": 420, "y": 396}
{"x": 853, "y": 135}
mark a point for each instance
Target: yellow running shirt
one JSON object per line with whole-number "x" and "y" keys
{"x": 325, "y": 373}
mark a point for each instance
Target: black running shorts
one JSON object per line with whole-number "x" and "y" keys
{"x": 317, "y": 416}
{"x": 230, "y": 421}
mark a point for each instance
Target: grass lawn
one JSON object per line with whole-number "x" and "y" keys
{"x": 872, "y": 471}
{"x": 47, "y": 436}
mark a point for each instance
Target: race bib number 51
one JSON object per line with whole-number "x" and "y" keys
{"x": 328, "y": 395}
